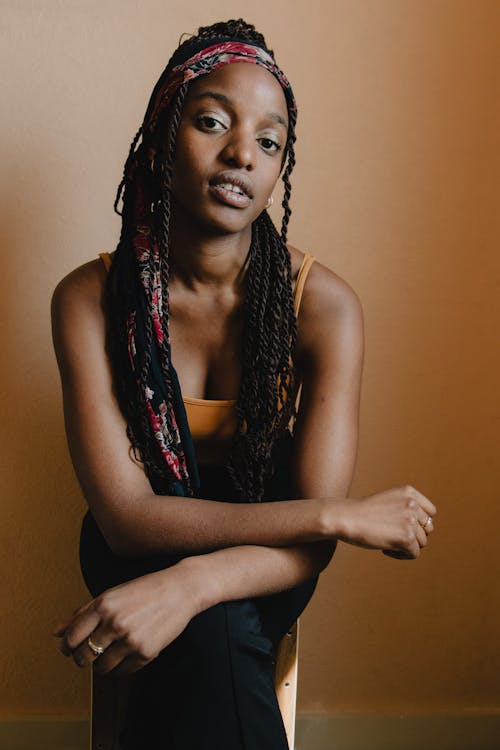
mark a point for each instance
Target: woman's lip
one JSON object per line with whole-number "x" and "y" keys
{"x": 230, "y": 197}
{"x": 238, "y": 179}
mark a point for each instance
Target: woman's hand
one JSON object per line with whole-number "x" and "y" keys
{"x": 397, "y": 521}
{"x": 131, "y": 622}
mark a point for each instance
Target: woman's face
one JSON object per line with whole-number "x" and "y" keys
{"x": 229, "y": 148}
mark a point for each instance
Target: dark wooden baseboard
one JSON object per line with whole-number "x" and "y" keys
{"x": 464, "y": 731}
{"x": 44, "y": 733}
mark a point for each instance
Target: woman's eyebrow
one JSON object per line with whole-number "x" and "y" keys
{"x": 278, "y": 118}
{"x": 223, "y": 99}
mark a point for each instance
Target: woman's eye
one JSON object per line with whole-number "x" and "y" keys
{"x": 269, "y": 145}
{"x": 206, "y": 122}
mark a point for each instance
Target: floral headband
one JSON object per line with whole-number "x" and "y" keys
{"x": 212, "y": 56}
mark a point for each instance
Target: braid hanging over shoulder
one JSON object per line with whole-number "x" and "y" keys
{"x": 137, "y": 298}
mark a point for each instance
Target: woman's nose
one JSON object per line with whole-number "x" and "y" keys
{"x": 240, "y": 151}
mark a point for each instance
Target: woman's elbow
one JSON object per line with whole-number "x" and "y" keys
{"x": 117, "y": 536}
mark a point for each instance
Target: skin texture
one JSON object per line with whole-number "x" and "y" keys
{"x": 230, "y": 126}
{"x": 234, "y": 131}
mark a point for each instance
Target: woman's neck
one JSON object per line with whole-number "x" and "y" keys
{"x": 199, "y": 260}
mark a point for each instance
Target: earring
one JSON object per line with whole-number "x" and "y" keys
{"x": 270, "y": 202}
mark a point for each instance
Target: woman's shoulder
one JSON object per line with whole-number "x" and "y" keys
{"x": 329, "y": 305}
{"x": 81, "y": 288}
{"x": 77, "y": 311}
{"x": 324, "y": 290}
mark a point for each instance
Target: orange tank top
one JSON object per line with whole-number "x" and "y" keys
{"x": 213, "y": 422}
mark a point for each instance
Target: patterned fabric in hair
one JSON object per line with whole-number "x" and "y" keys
{"x": 210, "y": 58}
{"x": 155, "y": 397}
{"x": 165, "y": 409}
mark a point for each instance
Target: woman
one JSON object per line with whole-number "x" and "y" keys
{"x": 196, "y": 579}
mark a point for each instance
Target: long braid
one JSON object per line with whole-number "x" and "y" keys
{"x": 164, "y": 245}
{"x": 266, "y": 399}
{"x": 290, "y": 150}
{"x": 164, "y": 235}
{"x": 131, "y": 153}
{"x": 265, "y": 403}
{"x": 130, "y": 390}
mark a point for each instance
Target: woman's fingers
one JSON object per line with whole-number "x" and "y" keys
{"x": 129, "y": 665}
{"x": 127, "y": 624}
{"x": 122, "y": 657}
{"x": 428, "y": 525}
{"x": 423, "y": 501}
{"x": 79, "y": 630}
{"x": 111, "y": 658}
{"x": 421, "y": 527}
{"x": 87, "y": 653}
{"x": 424, "y": 511}
{"x": 107, "y": 652}
{"x": 420, "y": 535}
{"x": 397, "y": 555}
{"x": 59, "y": 630}
{"x": 425, "y": 521}
{"x": 93, "y": 647}
{"x": 397, "y": 520}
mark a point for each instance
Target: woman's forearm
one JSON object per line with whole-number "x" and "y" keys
{"x": 168, "y": 524}
{"x": 395, "y": 520}
{"x": 249, "y": 571}
{"x": 135, "y": 620}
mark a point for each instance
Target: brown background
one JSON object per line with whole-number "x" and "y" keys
{"x": 397, "y": 189}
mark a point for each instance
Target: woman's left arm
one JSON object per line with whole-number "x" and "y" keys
{"x": 135, "y": 620}
{"x": 330, "y": 358}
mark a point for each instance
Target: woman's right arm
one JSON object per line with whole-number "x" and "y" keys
{"x": 132, "y": 518}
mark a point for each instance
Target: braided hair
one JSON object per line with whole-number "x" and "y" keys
{"x": 265, "y": 404}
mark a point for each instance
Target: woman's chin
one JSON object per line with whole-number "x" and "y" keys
{"x": 222, "y": 221}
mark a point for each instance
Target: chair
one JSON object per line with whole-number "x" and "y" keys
{"x": 109, "y": 697}
{"x": 285, "y": 679}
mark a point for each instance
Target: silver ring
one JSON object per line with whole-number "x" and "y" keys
{"x": 429, "y": 519}
{"x": 96, "y": 650}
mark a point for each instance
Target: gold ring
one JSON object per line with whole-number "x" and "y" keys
{"x": 96, "y": 650}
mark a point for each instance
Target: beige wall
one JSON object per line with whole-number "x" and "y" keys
{"x": 397, "y": 189}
